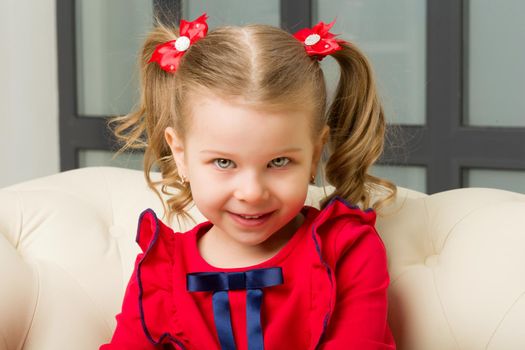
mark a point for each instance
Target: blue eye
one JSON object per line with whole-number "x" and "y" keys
{"x": 280, "y": 162}
{"x": 223, "y": 163}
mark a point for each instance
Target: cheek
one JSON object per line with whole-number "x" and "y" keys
{"x": 292, "y": 192}
{"x": 206, "y": 202}
{"x": 208, "y": 193}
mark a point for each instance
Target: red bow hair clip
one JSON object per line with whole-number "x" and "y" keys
{"x": 318, "y": 41}
{"x": 169, "y": 54}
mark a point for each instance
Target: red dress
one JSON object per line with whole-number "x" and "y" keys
{"x": 333, "y": 295}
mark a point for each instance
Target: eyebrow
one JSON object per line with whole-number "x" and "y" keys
{"x": 287, "y": 150}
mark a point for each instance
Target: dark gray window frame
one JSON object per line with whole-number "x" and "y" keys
{"x": 76, "y": 131}
{"x": 444, "y": 146}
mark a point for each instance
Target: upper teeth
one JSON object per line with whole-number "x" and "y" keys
{"x": 251, "y": 216}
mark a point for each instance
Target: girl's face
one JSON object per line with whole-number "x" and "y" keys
{"x": 248, "y": 169}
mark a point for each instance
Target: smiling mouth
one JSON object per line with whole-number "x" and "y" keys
{"x": 251, "y": 219}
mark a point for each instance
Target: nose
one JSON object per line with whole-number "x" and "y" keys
{"x": 250, "y": 188}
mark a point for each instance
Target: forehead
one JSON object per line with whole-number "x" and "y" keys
{"x": 233, "y": 125}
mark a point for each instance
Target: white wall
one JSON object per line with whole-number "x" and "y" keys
{"x": 29, "y": 145}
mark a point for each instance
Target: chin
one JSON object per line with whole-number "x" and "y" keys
{"x": 252, "y": 241}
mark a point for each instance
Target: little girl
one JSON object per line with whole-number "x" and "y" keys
{"x": 236, "y": 120}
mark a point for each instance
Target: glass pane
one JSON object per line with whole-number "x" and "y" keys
{"x": 510, "y": 180}
{"x": 109, "y": 35}
{"x": 393, "y": 35}
{"x": 234, "y": 12}
{"x": 105, "y": 158}
{"x": 412, "y": 177}
{"x": 495, "y": 66}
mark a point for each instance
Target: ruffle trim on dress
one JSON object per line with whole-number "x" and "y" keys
{"x": 340, "y": 207}
{"x": 155, "y": 281}
{"x": 324, "y": 302}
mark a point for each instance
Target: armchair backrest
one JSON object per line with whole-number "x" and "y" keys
{"x": 67, "y": 250}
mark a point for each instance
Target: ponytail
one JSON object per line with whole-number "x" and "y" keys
{"x": 357, "y": 130}
{"x": 143, "y": 129}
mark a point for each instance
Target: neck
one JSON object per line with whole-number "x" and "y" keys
{"x": 224, "y": 253}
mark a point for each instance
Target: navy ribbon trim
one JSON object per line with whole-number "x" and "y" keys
{"x": 220, "y": 283}
{"x": 221, "y": 314}
{"x": 253, "y": 319}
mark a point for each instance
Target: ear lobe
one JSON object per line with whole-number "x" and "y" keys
{"x": 177, "y": 149}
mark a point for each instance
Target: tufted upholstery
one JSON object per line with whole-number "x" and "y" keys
{"x": 67, "y": 247}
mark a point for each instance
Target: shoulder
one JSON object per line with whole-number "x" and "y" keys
{"x": 154, "y": 277}
{"x": 342, "y": 227}
{"x": 153, "y": 232}
{"x": 350, "y": 260}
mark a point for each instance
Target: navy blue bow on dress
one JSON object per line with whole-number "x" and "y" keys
{"x": 220, "y": 283}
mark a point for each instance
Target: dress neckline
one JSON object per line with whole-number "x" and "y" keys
{"x": 281, "y": 255}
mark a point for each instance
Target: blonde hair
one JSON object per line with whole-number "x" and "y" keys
{"x": 268, "y": 67}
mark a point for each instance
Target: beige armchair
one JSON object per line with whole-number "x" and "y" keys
{"x": 456, "y": 261}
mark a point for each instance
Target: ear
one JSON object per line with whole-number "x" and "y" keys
{"x": 176, "y": 145}
{"x": 318, "y": 148}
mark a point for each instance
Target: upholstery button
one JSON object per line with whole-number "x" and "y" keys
{"x": 432, "y": 260}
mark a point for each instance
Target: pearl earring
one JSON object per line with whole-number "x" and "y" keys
{"x": 312, "y": 180}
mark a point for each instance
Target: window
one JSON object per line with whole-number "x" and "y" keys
{"x": 457, "y": 120}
